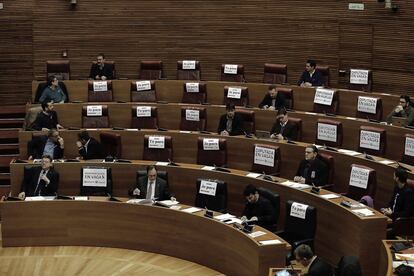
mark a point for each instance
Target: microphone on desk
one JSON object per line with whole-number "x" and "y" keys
{"x": 314, "y": 189}
{"x": 171, "y": 163}
{"x": 369, "y": 157}
{"x": 267, "y": 177}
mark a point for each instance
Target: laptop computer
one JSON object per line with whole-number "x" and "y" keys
{"x": 398, "y": 121}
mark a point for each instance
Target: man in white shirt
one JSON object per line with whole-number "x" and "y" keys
{"x": 151, "y": 186}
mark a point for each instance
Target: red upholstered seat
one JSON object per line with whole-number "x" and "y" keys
{"x": 151, "y": 70}
{"x": 382, "y": 143}
{"x": 95, "y": 121}
{"x": 212, "y": 157}
{"x": 357, "y": 193}
{"x": 323, "y": 140}
{"x": 260, "y": 167}
{"x": 249, "y": 121}
{"x": 59, "y": 68}
{"x": 143, "y": 95}
{"x": 188, "y": 74}
{"x": 242, "y": 101}
{"x": 111, "y": 144}
{"x": 100, "y": 96}
{"x": 144, "y": 121}
{"x": 189, "y": 96}
{"x": 238, "y": 77}
{"x": 326, "y": 75}
{"x": 158, "y": 154}
{"x": 189, "y": 118}
{"x": 275, "y": 73}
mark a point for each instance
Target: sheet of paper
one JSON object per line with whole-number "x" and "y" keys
{"x": 386, "y": 162}
{"x": 137, "y": 200}
{"x": 330, "y": 196}
{"x": 175, "y": 207}
{"x": 363, "y": 212}
{"x": 398, "y": 263}
{"x": 233, "y": 220}
{"x": 207, "y": 168}
{"x": 267, "y": 242}
{"x": 185, "y": 131}
{"x": 191, "y": 210}
{"x": 256, "y": 234}
{"x": 351, "y": 118}
{"x": 81, "y": 198}
{"x": 224, "y": 216}
{"x": 169, "y": 202}
{"x": 402, "y": 257}
{"x": 349, "y": 152}
{"x": 38, "y": 198}
{"x": 131, "y": 129}
{"x": 253, "y": 175}
{"x": 161, "y": 164}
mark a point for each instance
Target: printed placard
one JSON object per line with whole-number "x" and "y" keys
{"x": 100, "y": 86}
{"x": 370, "y": 140}
{"x": 367, "y": 104}
{"x": 189, "y": 64}
{"x": 234, "y": 92}
{"x": 143, "y": 111}
{"x": 94, "y": 177}
{"x": 230, "y": 69}
{"x": 327, "y": 132}
{"x": 298, "y": 210}
{"x": 358, "y": 76}
{"x": 143, "y": 85}
{"x": 323, "y": 96}
{"x": 94, "y": 110}
{"x": 156, "y": 142}
{"x": 409, "y": 146}
{"x": 264, "y": 156}
{"x": 208, "y": 187}
{"x": 359, "y": 177}
{"x": 211, "y": 144}
{"x": 192, "y": 115}
{"x": 192, "y": 87}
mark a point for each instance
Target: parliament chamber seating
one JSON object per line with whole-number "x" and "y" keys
{"x": 249, "y": 121}
{"x": 105, "y": 95}
{"x": 212, "y": 157}
{"x": 236, "y": 76}
{"x": 328, "y": 141}
{"x": 362, "y": 87}
{"x": 373, "y": 116}
{"x": 58, "y": 68}
{"x": 288, "y": 93}
{"x": 408, "y": 156}
{"x": 151, "y": 70}
{"x": 275, "y": 73}
{"x": 298, "y": 123}
{"x": 359, "y": 189}
{"x": 217, "y": 201}
{"x": 374, "y": 146}
{"x": 42, "y": 85}
{"x": 190, "y": 73}
{"x": 330, "y": 162}
{"x": 162, "y": 152}
{"x": 348, "y": 266}
{"x": 191, "y": 97}
{"x": 193, "y": 119}
{"x": 242, "y": 100}
{"x": 404, "y": 226}
{"x": 110, "y": 63}
{"x": 144, "y": 120}
{"x": 274, "y": 199}
{"x": 94, "y": 121}
{"x": 330, "y": 109}
{"x": 259, "y": 167}
{"x": 144, "y": 94}
{"x": 326, "y": 75}
{"x": 97, "y": 191}
{"x": 111, "y": 144}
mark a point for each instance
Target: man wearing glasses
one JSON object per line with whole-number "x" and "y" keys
{"x": 52, "y": 145}
{"x": 403, "y": 109}
{"x": 312, "y": 170}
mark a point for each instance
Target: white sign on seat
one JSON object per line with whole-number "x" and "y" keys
{"x": 230, "y": 69}
{"x": 94, "y": 177}
{"x": 367, "y": 104}
{"x": 94, "y": 110}
{"x": 189, "y": 64}
{"x": 156, "y": 142}
{"x": 358, "y": 76}
{"x": 100, "y": 86}
{"x": 143, "y": 85}
{"x": 234, "y": 92}
{"x": 192, "y": 115}
{"x": 143, "y": 111}
{"x": 409, "y": 146}
{"x": 264, "y": 156}
{"x": 192, "y": 87}
{"x": 359, "y": 177}
{"x": 370, "y": 140}
{"x": 211, "y": 144}
{"x": 208, "y": 187}
{"x": 327, "y": 132}
{"x": 298, "y": 210}
{"x": 323, "y": 96}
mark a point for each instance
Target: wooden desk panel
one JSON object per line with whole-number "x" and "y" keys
{"x": 152, "y": 229}
{"x": 339, "y": 231}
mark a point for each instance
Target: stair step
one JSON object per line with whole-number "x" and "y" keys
{"x": 4, "y": 189}
{"x": 11, "y": 123}
{"x": 4, "y": 176}
{"x": 9, "y": 149}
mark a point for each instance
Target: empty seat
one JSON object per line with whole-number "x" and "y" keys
{"x": 362, "y": 181}
{"x": 326, "y": 108}
{"x": 95, "y": 116}
{"x": 366, "y": 110}
{"x": 360, "y": 79}
{"x": 59, "y": 68}
{"x": 239, "y": 96}
{"x": 91, "y": 188}
{"x": 408, "y": 154}
{"x": 212, "y": 151}
{"x": 144, "y": 117}
{"x": 100, "y": 91}
{"x": 275, "y": 73}
{"x": 193, "y": 118}
{"x": 266, "y": 159}
{"x": 330, "y": 163}
{"x": 158, "y": 148}
{"x": 326, "y": 76}
{"x": 188, "y": 70}
{"x": 151, "y": 70}
{"x": 372, "y": 140}
{"x": 143, "y": 91}
{"x": 211, "y": 194}
{"x": 298, "y": 122}
{"x": 232, "y": 72}
{"x": 111, "y": 144}
{"x": 194, "y": 93}
{"x": 249, "y": 121}
{"x": 329, "y": 132}
{"x": 274, "y": 199}
{"x": 288, "y": 93}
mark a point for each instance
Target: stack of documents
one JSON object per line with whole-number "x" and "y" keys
{"x": 296, "y": 185}
{"x": 349, "y": 152}
{"x": 364, "y": 212}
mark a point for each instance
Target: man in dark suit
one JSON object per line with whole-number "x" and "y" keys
{"x": 312, "y": 170}
{"x": 273, "y": 99}
{"x": 230, "y": 123}
{"x": 40, "y": 181}
{"x": 151, "y": 186}
{"x": 47, "y": 119}
{"x": 315, "y": 265}
{"x": 88, "y": 147}
{"x": 100, "y": 70}
{"x": 283, "y": 129}
{"x": 52, "y": 145}
{"x": 311, "y": 76}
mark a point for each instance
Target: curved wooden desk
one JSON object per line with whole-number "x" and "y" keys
{"x": 339, "y": 231}
{"x": 153, "y": 229}
{"x": 386, "y": 259}
{"x": 185, "y": 151}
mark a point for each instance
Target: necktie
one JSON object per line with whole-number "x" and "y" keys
{"x": 149, "y": 190}
{"x": 37, "y": 190}
{"x": 395, "y": 201}
{"x": 282, "y": 128}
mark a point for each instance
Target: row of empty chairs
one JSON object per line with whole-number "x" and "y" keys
{"x": 191, "y": 70}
